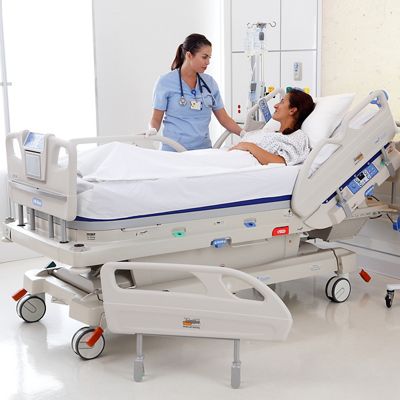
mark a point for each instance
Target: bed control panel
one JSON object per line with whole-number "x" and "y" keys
{"x": 361, "y": 178}
{"x": 35, "y": 155}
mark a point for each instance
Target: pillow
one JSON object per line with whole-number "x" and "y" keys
{"x": 257, "y": 134}
{"x": 272, "y": 126}
{"x": 327, "y": 115}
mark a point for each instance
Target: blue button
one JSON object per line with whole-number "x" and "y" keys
{"x": 250, "y": 223}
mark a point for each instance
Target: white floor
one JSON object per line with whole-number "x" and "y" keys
{"x": 348, "y": 350}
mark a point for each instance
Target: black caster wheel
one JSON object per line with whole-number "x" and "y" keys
{"x": 389, "y": 298}
{"x": 81, "y": 348}
{"x": 31, "y": 308}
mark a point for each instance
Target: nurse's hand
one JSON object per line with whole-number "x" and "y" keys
{"x": 151, "y": 132}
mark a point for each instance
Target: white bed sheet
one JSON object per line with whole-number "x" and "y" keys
{"x": 117, "y": 161}
{"x": 120, "y": 181}
{"x": 115, "y": 199}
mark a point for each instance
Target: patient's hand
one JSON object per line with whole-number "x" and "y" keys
{"x": 262, "y": 156}
{"x": 246, "y": 146}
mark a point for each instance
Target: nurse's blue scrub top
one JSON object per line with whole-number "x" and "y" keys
{"x": 181, "y": 123}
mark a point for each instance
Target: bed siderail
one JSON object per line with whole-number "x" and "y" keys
{"x": 150, "y": 267}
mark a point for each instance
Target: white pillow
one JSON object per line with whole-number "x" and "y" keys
{"x": 272, "y": 126}
{"x": 327, "y": 115}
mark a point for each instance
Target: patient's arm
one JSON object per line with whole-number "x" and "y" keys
{"x": 262, "y": 156}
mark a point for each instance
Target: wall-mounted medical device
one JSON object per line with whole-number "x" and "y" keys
{"x": 35, "y": 155}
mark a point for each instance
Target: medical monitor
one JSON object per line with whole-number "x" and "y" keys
{"x": 34, "y": 142}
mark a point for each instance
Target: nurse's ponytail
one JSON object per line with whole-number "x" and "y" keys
{"x": 192, "y": 43}
{"x": 179, "y": 58}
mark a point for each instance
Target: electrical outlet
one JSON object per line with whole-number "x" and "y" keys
{"x": 297, "y": 71}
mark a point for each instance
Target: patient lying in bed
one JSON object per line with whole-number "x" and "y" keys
{"x": 119, "y": 161}
{"x": 290, "y": 145}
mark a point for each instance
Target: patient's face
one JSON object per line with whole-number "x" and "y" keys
{"x": 282, "y": 110}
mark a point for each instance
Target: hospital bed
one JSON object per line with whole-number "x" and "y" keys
{"x": 200, "y": 269}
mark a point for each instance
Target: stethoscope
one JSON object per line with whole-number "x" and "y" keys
{"x": 202, "y": 83}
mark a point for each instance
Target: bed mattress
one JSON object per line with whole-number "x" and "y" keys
{"x": 125, "y": 186}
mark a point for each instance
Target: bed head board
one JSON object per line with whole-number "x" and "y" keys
{"x": 355, "y": 149}
{"x": 42, "y": 173}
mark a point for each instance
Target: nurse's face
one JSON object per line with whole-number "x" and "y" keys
{"x": 200, "y": 60}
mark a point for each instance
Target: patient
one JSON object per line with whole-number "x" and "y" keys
{"x": 290, "y": 144}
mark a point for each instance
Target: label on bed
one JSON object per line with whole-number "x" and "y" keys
{"x": 91, "y": 236}
{"x": 191, "y": 323}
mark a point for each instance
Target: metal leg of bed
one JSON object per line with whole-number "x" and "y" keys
{"x": 21, "y": 215}
{"x": 32, "y": 220}
{"x": 138, "y": 364}
{"x": 63, "y": 227}
{"x": 51, "y": 226}
{"x": 235, "y": 369}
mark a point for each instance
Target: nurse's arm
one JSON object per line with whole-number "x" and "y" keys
{"x": 156, "y": 119}
{"x": 226, "y": 121}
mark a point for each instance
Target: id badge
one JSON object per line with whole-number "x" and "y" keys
{"x": 196, "y": 105}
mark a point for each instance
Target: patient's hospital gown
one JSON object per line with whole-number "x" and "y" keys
{"x": 294, "y": 148}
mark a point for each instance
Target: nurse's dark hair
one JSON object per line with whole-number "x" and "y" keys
{"x": 192, "y": 43}
{"x": 305, "y": 106}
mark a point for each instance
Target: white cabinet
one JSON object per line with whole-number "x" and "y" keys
{"x": 293, "y": 45}
{"x": 299, "y": 25}
{"x": 308, "y": 67}
{"x": 241, "y": 74}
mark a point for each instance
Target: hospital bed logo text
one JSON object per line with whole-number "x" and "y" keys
{"x": 37, "y": 202}
{"x": 192, "y": 323}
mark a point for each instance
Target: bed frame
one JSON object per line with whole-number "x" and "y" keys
{"x": 162, "y": 289}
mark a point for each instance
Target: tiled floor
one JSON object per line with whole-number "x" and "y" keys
{"x": 348, "y": 350}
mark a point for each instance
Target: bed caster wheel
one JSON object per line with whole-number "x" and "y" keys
{"x": 82, "y": 349}
{"x": 31, "y": 308}
{"x": 389, "y": 298}
{"x": 338, "y": 289}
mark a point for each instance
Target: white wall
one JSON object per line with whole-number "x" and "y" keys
{"x": 135, "y": 44}
{"x": 360, "y": 48}
{"x": 360, "y": 54}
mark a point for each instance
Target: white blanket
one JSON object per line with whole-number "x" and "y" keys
{"x": 124, "y": 162}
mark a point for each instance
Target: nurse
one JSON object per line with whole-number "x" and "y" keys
{"x": 184, "y": 98}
